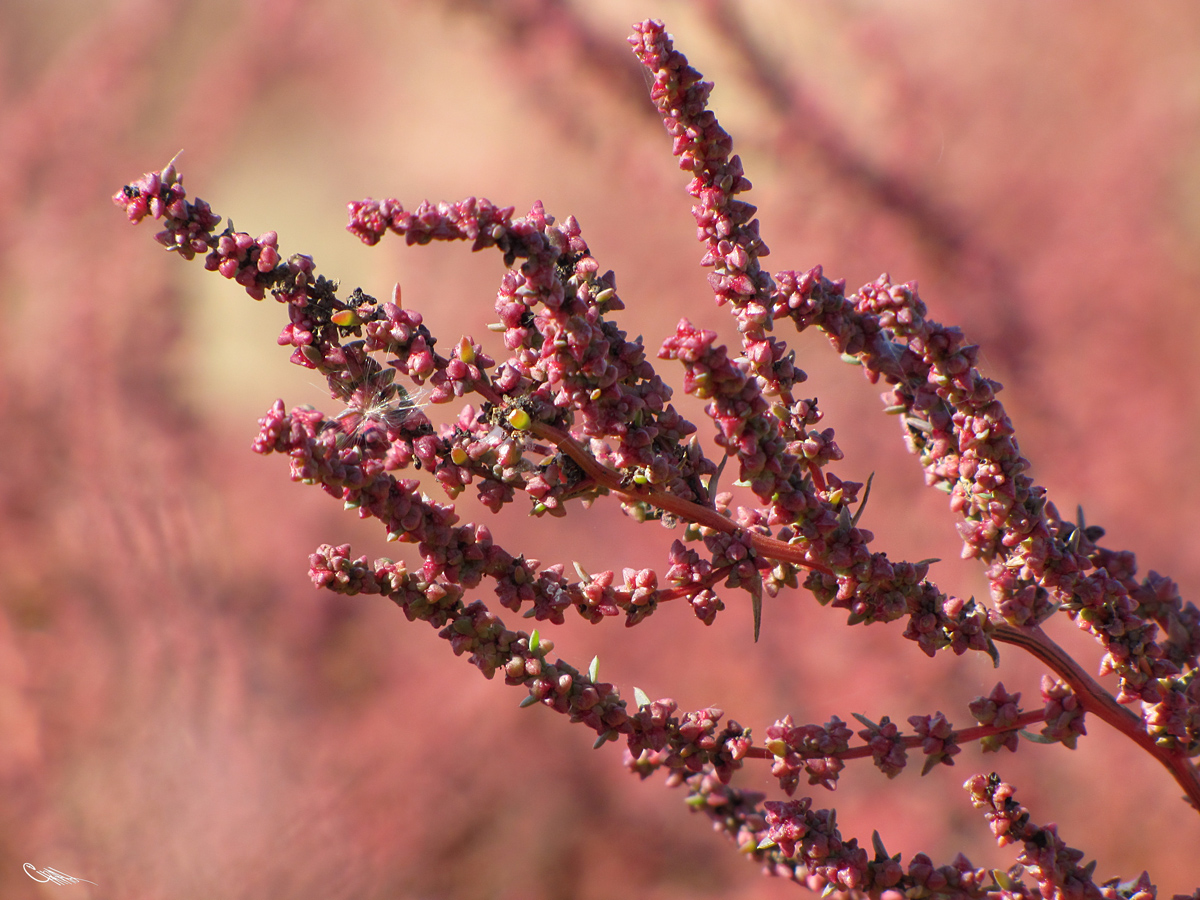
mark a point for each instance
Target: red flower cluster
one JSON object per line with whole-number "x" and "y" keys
{"x": 577, "y": 411}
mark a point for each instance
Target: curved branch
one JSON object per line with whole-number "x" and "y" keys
{"x": 686, "y": 509}
{"x": 1099, "y": 702}
{"x": 1032, "y": 639}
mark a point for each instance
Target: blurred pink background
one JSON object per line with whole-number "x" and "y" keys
{"x": 183, "y": 716}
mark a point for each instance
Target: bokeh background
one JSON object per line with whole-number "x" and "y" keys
{"x": 183, "y": 716}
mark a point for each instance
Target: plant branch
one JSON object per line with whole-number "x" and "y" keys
{"x": 1100, "y": 702}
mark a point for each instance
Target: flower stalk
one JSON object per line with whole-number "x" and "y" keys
{"x": 578, "y": 412}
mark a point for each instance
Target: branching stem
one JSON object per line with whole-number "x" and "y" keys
{"x": 1100, "y": 702}
{"x": 1032, "y": 639}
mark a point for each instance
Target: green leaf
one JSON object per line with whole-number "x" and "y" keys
{"x": 862, "y": 504}
{"x": 1036, "y": 738}
{"x": 864, "y": 720}
{"x": 755, "y": 589}
{"x": 712, "y": 480}
{"x": 1077, "y": 534}
{"x": 594, "y": 670}
{"x": 1003, "y": 881}
{"x": 877, "y": 843}
{"x": 639, "y": 697}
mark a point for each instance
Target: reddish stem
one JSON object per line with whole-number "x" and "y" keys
{"x": 912, "y": 741}
{"x": 1099, "y": 702}
{"x": 693, "y": 512}
{"x": 1092, "y": 697}
{"x": 818, "y": 476}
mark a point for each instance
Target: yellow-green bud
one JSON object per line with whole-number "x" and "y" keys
{"x": 466, "y": 351}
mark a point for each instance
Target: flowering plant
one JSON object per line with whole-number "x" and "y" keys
{"x": 577, "y": 412}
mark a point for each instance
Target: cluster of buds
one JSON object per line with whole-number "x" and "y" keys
{"x": 577, "y": 411}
